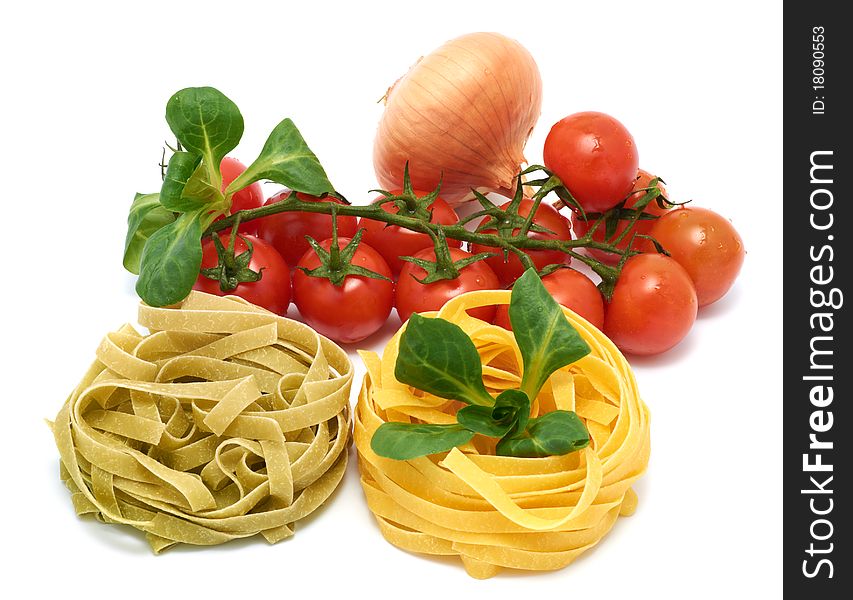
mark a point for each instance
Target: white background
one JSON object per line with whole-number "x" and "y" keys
{"x": 85, "y": 86}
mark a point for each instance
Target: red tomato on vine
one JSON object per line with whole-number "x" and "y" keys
{"x": 351, "y": 311}
{"x": 595, "y": 157}
{"x": 412, "y": 296}
{"x": 705, "y": 244}
{"x": 270, "y": 291}
{"x": 653, "y": 306}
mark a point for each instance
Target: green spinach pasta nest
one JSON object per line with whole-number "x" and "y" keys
{"x": 226, "y": 421}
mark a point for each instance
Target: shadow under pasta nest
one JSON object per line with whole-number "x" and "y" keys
{"x": 126, "y": 538}
{"x": 455, "y": 563}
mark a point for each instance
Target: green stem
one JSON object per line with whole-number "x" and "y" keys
{"x": 374, "y": 213}
{"x": 443, "y": 260}
{"x": 335, "y": 248}
{"x": 515, "y": 243}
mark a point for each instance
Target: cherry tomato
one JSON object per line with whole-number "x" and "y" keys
{"x": 572, "y": 289}
{"x": 580, "y": 226}
{"x": 705, "y": 244}
{"x": 286, "y": 231}
{"x": 511, "y": 269}
{"x": 271, "y": 291}
{"x": 354, "y": 310}
{"x": 392, "y": 241}
{"x": 413, "y": 296}
{"x": 595, "y": 157}
{"x": 249, "y": 197}
{"x": 653, "y": 305}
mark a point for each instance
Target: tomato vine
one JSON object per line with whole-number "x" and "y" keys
{"x": 510, "y": 242}
{"x": 165, "y": 230}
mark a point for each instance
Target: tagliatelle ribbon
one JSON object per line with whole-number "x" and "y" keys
{"x": 225, "y": 422}
{"x": 499, "y": 512}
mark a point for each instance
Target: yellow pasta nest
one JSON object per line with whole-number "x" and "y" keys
{"x": 503, "y": 512}
{"x": 225, "y": 422}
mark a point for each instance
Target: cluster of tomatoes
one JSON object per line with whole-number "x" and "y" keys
{"x": 656, "y": 298}
{"x": 654, "y": 302}
{"x": 346, "y": 313}
{"x": 361, "y": 305}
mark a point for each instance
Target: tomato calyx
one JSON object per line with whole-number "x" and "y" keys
{"x": 408, "y": 203}
{"x": 611, "y": 218}
{"x": 336, "y": 262}
{"x": 508, "y": 223}
{"x": 507, "y": 220}
{"x": 608, "y": 284}
{"x": 444, "y": 267}
{"x": 551, "y": 183}
{"x": 232, "y": 270}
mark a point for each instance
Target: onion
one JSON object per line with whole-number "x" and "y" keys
{"x": 461, "y": 116}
